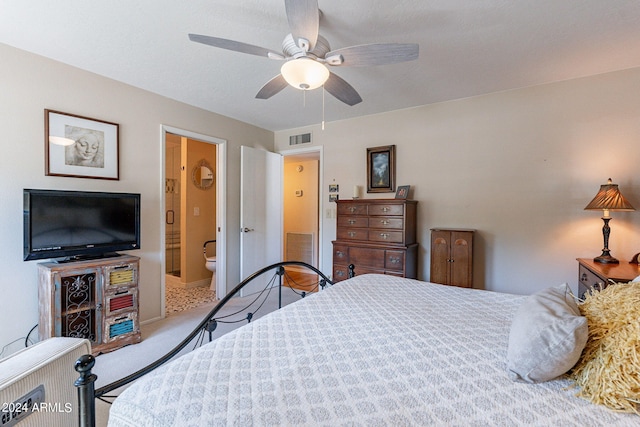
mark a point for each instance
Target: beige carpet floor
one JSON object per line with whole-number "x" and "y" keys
{"x": 160, "y": 336}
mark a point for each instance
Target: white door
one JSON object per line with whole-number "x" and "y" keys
{"x": 260, "y": 213}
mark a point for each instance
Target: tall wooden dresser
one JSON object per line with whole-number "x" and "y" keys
{"x": 376, "y": 236}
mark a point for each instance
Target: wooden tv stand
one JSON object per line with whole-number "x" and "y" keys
{"x": 95, "y": 299}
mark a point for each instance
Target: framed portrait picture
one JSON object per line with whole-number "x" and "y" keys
{"x": 80, "y": 147}
{"x": 402, "y": 192}
{"x": 333, "y": 198}
{"x": 381, "y": 169}
{"x": 333, "y": 188}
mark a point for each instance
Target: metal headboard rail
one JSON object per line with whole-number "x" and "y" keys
{"x": 86, "y": 382}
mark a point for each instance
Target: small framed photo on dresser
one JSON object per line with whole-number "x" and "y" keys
{"x": 402, "y": 192}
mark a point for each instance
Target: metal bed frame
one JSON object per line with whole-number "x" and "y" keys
{"x": 85, "y": 384}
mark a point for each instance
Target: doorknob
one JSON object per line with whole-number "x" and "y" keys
{"x": 246, "y": 230}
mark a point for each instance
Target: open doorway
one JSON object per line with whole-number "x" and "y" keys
{"x": 301, "y": 212}
{"x": 194, "y": 213}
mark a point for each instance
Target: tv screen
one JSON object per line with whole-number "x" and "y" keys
{"x": 79, "y": 224}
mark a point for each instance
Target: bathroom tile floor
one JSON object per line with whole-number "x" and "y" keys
{"x": 180, "y": 299}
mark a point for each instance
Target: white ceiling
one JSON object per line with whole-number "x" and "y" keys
{"x": 467, "y": 48}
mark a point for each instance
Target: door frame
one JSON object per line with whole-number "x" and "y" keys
{"x": 321, "y": 202}
{"x": 221, "y": 207}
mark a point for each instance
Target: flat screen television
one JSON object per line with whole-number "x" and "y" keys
{"x": 79, "y": 224}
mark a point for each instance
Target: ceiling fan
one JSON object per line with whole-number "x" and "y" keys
{"x": 307, "y": 55}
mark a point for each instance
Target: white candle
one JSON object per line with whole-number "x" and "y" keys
{"x": 356, "y": 191}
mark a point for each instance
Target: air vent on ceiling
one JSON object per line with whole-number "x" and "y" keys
{"x": 303, "y": 138}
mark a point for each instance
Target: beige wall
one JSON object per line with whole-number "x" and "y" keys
{"x": 300, "y": 212}
{"x": 196, "y": 229}
{"x": 29, "y": 84}
{"x": 519, "y": 166}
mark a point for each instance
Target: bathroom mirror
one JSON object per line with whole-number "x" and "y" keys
{"x": 202, "y": 175}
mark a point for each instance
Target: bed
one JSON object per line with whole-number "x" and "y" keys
{"x": 373, "y": 350}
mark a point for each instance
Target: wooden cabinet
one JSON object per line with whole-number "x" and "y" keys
{"x": 452, "y": 256}
{"x": 594, "y": 275}
{"x": 376, "y": 236}
{"x": 96, "y": 299}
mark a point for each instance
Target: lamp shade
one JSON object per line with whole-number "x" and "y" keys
{"x": 609, "y": 198}
{"x": 304, "y": 73}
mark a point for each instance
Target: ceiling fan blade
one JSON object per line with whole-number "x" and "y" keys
{"x": 373, "y": 54}
{"x": 304, "y": 22}
{"x": 272, "y": 87}
{"x": 235, "y": 46}
{"x": 342, "y": 90}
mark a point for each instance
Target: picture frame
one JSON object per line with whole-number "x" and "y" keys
{"x": 381, "y": 169}
{"x": 402, "y": 192}
{"x": 333, "y": 188}
{"x": 333, "y": 198}
{"x": 80, "y": 147}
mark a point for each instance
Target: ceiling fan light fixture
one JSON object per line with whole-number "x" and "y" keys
{"x": 304, "y": 73}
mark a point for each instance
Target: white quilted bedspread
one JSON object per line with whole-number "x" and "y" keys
{"x": 371, "y": 351}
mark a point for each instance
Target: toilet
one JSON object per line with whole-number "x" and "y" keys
{"x": 210, "y": 263}
{"x": 211, "y": 266}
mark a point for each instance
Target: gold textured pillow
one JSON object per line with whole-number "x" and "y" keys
{"x": 608, "y": 371}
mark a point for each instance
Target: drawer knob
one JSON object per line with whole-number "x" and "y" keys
{"x": 385, "y": 209}
{"x": 583, "y": 278}
{"x": 384, "y": 235}
{"x": 339, "y": 273}
{"x": 352, "y": 209}
{"x": 384, "y": 222}
{"x": 352, "y": 234}
{"x": 394, "y": 260}
{"x": 352, "y": 221}
{"x": 339, "y": 254}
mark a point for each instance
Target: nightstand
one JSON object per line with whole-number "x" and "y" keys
{"x": 596, "y": 275}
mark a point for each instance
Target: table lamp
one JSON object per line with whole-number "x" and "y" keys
{"x": 608, "y": 199}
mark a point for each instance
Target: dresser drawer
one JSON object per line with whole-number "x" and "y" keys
{"x": 340, "y": 254}
{"x": 340, "y": 272}
{"x": 353, "y": 233}
{"x": 353, "y": 222}
{"x": 390, "y": 209}
{"x": 386, "y": 236}
{"x": 394, "y": 260}
{"x": 366, "y": 257}
{"x": 359, "y": 271}
{"x": 120, "y": 300}
{"x": 386, "y": 222}
{"x": 589, "y": 280}
{"x": 352, "y": 209}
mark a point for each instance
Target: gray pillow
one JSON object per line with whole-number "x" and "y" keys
{"x": 547, "y": 336}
